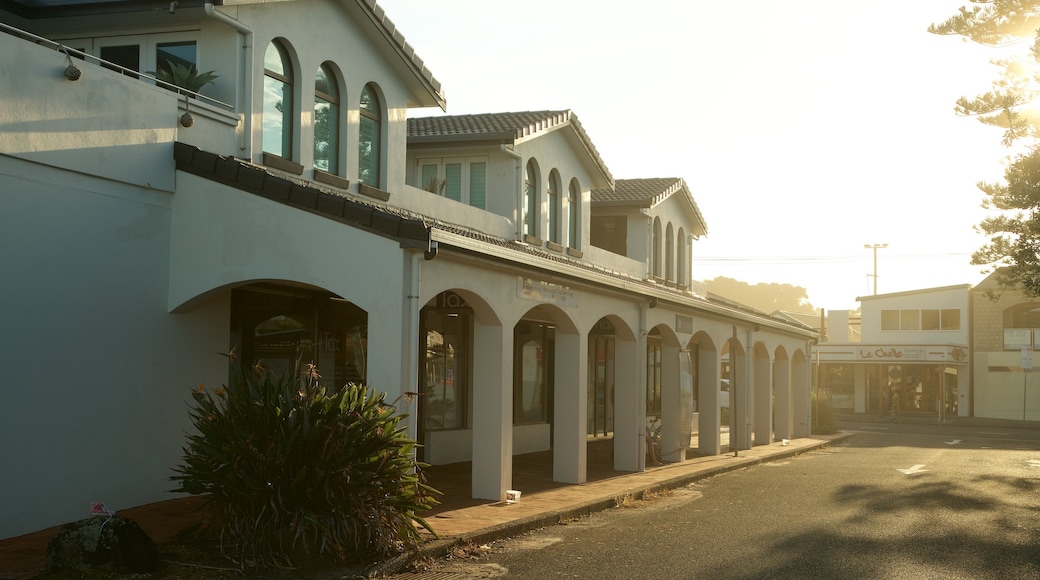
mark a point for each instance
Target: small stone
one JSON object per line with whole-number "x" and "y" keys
{"x": 115, "y": 544}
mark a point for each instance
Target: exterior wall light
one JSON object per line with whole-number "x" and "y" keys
{"x": 72, "y": 71}
{"x": 186, "y": 119}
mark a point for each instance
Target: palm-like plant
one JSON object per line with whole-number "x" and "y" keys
{"x": 185, "y": 77}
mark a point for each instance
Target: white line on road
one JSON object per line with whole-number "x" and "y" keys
{"x": 915, "y": 469}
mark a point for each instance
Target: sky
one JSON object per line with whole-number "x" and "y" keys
{"x": 804, "y": 131}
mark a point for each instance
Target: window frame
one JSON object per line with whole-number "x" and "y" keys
{"x": 573, "y": 214}
{"x": 465, "y": 179}
{"x": 553, "y": 202}
{"x": 287, "y": 78}
{"x": 373, "y": 115}
{"x": 532, "y": 195}
{"x": 332, "y": 101}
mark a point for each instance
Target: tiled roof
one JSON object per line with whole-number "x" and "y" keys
{"x": 406, "y": 51}
{"x": 648, "y": 192}
{"x": 642, "y": 192}
{"x": 410, "y": 229}
{"x": 506, "y": 127}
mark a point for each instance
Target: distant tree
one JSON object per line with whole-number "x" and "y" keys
{"x": 1014, "y": 234}
{"x": 765, "y": 297}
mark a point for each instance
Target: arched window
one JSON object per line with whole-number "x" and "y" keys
{"x": 655, "y": 258}
{"x": 531, "y": 194}
{"x": 326, "y": 120}
{"x": 669, "y": 254}
{"x": 370, "y": 140}
{"x": 573, "y": 194}
{"x": 553, "y": 193}
{"x": 681, "y": 269}
{"x": 278, "y": 101}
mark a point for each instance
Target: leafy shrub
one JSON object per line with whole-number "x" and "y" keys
{"x": 824, "y": 422}
{"x": 289, "y": 467}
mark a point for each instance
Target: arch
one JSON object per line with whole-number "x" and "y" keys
{"x": 613, "y": 392}
{"x": 669, "y": 253}
{"x": 573, "y": 214}
{"x": 532, "y": 198}
{"x": 801, "y": 398}
{"x": 734, "y": 361}
{"x": 286, "y": 324}
{"x": 279, "y": 107}
{"x": 555, "y": 208}
{"x": 371, "y": 137}
{"x": 682, "y": 268}
{"x": 655, "y": 269}
{"x": 708, "y": 392}
{"x": 663, "y": 394}
{"x": 327, "y": 118}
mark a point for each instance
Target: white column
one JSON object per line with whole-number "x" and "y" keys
{"x": 570, "y": 402}
{"x": 493, "y": 411}
{"x": 763, "y": 404}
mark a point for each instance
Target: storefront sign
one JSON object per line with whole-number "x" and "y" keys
{"x": 892, "y": 353}
{"x": 545, "y": 292}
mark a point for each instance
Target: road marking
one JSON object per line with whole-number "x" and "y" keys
{"x": 990, "y": 433}
{"x": 875, "y": 428}
{"x": 779, "y": 463}
{"x": 1034, "y": 463}
{"x": 954, "y": 442}
{"x": 913, "y": 470}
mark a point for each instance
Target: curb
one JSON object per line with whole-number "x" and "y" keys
{"x": 439, "y": 548}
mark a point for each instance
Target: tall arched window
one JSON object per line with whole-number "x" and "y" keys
{"x": 326, "y": 120}
{"x": 573, "y": 193}
{"x": 278, "y": 101}
{"x": 655, "y": 258}
{"x": 370, "y": 140}
{"x": 682, "y": 268}
{"x": 553, "y": 193}
{"x": 669, "y": 254}
{"x": 530, "y": 198}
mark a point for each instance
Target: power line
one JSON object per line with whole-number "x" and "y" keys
{"x": 765, "y": 260}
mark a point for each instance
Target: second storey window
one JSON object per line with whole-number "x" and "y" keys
{"x": 463, "y": 179}
{"x": 370, "y": 140}
{"x": 572, "y": 214}
{"x": 553, "y": 193}
{"x": 530, "y": 208}
{"x": 326, "y": 120}
{"x": 278, "y": 103}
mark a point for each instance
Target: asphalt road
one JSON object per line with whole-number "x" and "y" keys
{"x": 896, "y": 501}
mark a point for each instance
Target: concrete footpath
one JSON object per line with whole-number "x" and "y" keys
{"x": 22, "y": 558}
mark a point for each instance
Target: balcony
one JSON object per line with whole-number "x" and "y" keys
{"x": 79, "y": 113}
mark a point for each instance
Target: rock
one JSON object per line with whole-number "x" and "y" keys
{"x": 99, "y": 543}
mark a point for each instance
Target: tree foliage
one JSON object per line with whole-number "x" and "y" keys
{"x": 765, "y": 297}
{"x": 1011, "y": 105}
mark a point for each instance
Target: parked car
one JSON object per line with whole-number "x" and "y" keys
{"x": 724, "y": 393}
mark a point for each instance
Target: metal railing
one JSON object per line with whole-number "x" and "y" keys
{"x": 70, "y": 52}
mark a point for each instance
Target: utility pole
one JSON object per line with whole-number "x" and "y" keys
{"x": 875, "y": 247}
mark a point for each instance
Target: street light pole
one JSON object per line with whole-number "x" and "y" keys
{"x": 875, "y": 247}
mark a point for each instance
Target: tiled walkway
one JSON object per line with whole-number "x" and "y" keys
{"x": 459, "y": 518}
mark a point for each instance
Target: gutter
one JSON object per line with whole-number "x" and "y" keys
{"x": 518, "y": 191}
{"x": 245, "y": 79}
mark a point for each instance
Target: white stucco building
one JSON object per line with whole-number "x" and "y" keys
{"x": 913, "y": 353}
{"x": 490, "y": 263}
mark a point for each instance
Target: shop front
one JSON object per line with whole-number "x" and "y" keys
{"x": 893, "y": 380}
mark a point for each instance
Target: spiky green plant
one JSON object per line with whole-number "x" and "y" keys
{"x": 185, "y": 77}
{"x": 287, "y": 467}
